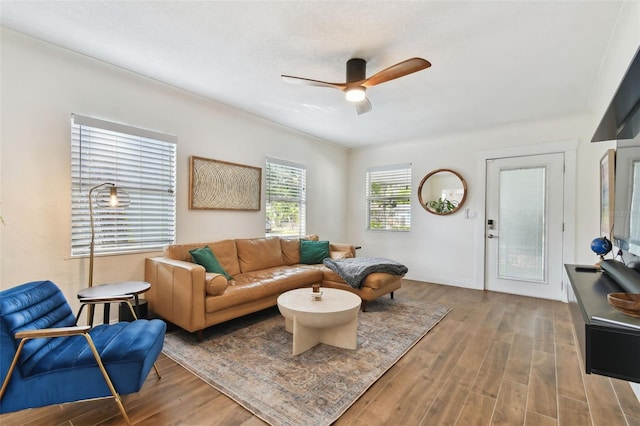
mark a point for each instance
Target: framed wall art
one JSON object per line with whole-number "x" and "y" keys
{"x": 607, "y": 192}
{"x": 220, "y": 185}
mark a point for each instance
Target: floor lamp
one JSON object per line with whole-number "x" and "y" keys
{"x": 106, "y": 197}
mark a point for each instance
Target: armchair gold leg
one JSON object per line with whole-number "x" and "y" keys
{"x": 155, "y": 368}
{"x": 96, "y": 355}
{"x": 115, "y": 394}
{"x": 135, "y": 317}
{"x": 5, "y": 384}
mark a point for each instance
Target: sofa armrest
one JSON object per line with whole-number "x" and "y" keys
{"x": 177, "y": 291}
{"x": 341, "y": 251}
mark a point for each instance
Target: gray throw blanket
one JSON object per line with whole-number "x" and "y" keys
{"x": 355, "y": 270}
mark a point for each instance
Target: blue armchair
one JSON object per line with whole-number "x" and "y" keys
{"x": 45, "y": 358}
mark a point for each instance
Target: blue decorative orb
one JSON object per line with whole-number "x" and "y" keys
{"x": 601, "y": 246}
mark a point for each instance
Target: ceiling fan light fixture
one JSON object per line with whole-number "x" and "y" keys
{"x": 355, "y": 94}
{"x": 357, "y": 82}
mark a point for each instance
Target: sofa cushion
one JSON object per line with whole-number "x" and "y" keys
{"x": 335, "y": 255}
{"x": 227, "y": 254}
{"x": 225, "y": 251}
{"x": 215, "y": 284}
{"x": 374, "y": 281}
{"x": 378, "y": 280}
{"x": 327, "y": 274}
{"x": 290, "y": 250}
{"x": 205, "y": 257}
{"x": 253, "y": 286}
{"x": 312, "y": 252}
{"x": 181, "y": 251}
{"x": 259, "y": 253}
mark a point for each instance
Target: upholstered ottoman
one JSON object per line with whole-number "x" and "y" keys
{"x": 331, "y": 319}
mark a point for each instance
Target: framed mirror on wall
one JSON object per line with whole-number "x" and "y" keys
{"x": 442, "y": 192}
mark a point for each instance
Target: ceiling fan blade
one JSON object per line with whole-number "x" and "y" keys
{"x": 308, "y": 82}
{"x": 363, "y": 106}
{"x": 396, "y": 71}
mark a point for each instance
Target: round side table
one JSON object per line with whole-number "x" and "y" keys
{"x": 133, "y": 288}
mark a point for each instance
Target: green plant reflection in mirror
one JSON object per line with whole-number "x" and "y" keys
{"x": 442, "y": 192}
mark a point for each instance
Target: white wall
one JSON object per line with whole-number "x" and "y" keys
{"x": 42, "y": 85}
{"x": 445, "y": 249}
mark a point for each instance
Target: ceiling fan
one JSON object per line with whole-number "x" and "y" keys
{"x": 357, "y": 81}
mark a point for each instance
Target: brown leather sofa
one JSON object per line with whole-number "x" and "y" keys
{"x": 183, "y": 293}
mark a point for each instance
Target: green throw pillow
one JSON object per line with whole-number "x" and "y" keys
{"x": 205, "y": 257}
{"x": 312, "y": 252}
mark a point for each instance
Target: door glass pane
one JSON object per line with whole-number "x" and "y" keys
{"x": 521, "y": 224}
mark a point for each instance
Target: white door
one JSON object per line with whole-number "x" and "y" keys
{"x": 524, "y": 225}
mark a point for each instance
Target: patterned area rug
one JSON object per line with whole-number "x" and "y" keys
{"x": 250, "y": 360}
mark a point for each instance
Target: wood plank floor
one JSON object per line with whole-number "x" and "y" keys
{"x": 495, "y": 359}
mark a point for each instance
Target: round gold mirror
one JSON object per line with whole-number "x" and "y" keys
{"x": 442, "y": 192}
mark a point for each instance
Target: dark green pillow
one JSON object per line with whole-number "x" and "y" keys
{"x": 205, "y": 257}
{"x": 312, "y": 252}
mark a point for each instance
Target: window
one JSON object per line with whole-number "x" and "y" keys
{"x": 142, "y": 163}
{"x": 286, "y": 194}
{"x": 389, "y": 198}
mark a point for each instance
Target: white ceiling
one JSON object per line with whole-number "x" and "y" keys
{"x": 493, "y": 62}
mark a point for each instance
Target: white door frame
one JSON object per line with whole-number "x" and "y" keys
{"x": 569, "y": 149}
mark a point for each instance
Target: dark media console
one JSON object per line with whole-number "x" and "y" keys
{"x": 609, "y": 340}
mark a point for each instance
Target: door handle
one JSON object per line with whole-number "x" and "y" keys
{"x": 492, "y": 236}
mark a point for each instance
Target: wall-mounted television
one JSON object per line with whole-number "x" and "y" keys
{"x": 622, "y": 118}
{"x": 626, "y": 221}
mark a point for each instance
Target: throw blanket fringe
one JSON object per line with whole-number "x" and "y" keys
{"x": 355, "y": 270}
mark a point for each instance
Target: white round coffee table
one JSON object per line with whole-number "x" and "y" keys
{"x": 332, "y": 320}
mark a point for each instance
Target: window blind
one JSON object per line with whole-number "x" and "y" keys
{"x": 286, "y": 198}
{"x": 141, "y": 162}
{"x": 388, "y": 195}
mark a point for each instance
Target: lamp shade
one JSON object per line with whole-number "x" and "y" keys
{"x": 112, "y": 197}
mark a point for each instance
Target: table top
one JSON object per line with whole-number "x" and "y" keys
{"x": 333, "y": 300}
{"x": 115, "y": 289}
{"x": 591, "y": 288}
